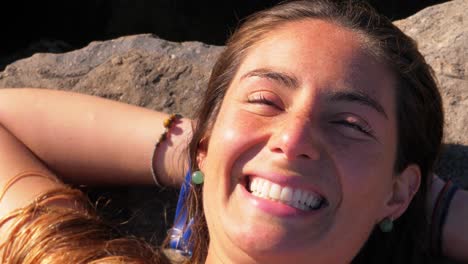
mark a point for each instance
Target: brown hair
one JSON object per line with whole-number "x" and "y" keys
{"x": 418, "y": 103}
{"x": 46, "y": 233}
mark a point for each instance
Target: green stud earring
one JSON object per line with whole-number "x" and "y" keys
{"x": 197, "y": 177}
{"x": 386, "y": 225}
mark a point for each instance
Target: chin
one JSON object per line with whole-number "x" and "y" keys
{"x": 274, "y": 246}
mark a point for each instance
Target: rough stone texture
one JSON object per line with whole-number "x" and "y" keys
{"x": 142, "y": 70}
{"x": 442, "y": 35}
{"x": 161, "y": 75}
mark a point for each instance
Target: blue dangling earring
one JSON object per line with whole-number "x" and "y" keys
{"x": 182, "y": 229}
{"x": 386, "y": 225}
{"x": 197, "y": 177}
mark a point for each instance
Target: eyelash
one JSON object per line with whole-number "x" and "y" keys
{"x": 260, "y": 99}
{"x": 364, "y": 129}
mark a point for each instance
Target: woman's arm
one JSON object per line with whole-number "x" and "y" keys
{"x": 90, "y": 140}
{"x": 43, "y": 221}
{"x": 15, "y": 192}
{"x": 16, "y": 159}
{"x": 455, "y": 230}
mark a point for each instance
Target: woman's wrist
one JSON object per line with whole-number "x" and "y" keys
{"x": 171, "y": 156}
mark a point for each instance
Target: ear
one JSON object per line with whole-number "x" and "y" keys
{"x": 201, "y": 153}
{"x": 405, "y": 187}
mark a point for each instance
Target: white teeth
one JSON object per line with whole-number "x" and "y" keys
{"x": 297, "y": 198}
{"x": 304, "y": 197}
{"x": 313, "y": 201}
{"x": 275, "y": 191}
{"x": 258, "y": 190}
{"x": 286, "y": 194}
{"x": 253, "y": 185}
{"x": 266, "y": 189}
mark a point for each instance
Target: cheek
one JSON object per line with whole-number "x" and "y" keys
{"x": 234, "y": 129}
{"x": 368, "y": 169}
{"x": 365, "y": 185}
{"x": 233, "y": 134}
{"x": 366, "y": 182}
{"x": 364, "y": 167}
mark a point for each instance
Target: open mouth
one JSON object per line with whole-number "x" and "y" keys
{"x": 298, "y": 198}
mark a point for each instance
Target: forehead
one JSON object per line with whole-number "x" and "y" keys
{"x": 323, "y": 55}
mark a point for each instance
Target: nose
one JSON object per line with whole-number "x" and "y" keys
{"x": 295, "y": 139}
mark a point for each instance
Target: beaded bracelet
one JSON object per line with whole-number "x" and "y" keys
{"x": 439, "y": 216}
{"x": 168, "y": 123}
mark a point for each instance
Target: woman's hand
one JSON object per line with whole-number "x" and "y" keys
{"x": 94, "y": 141}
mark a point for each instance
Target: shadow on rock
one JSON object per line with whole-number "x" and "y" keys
{"x": 144, "y": 212}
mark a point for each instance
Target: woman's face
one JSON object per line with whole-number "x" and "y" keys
{"x": 299, "y": 165}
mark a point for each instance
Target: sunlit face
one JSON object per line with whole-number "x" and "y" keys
{"x": 309, "y": 120}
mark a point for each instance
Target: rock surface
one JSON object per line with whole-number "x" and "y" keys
{"x": 141, "y": 70}
{"x": 161, "y": 75}
{"x": 442, "y": 35}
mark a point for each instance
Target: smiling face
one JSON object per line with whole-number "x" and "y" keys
{"x": 299, "y": 164}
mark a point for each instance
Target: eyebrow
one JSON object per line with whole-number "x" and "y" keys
{"x": 281, "y": 77}
{"x": 361, "y": 98}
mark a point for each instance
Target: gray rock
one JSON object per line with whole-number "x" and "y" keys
{"x": 141, "y": 70}
{"x": 442, "y": 35}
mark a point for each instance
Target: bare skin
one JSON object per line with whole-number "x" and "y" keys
{"x": 94, "y": 141}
